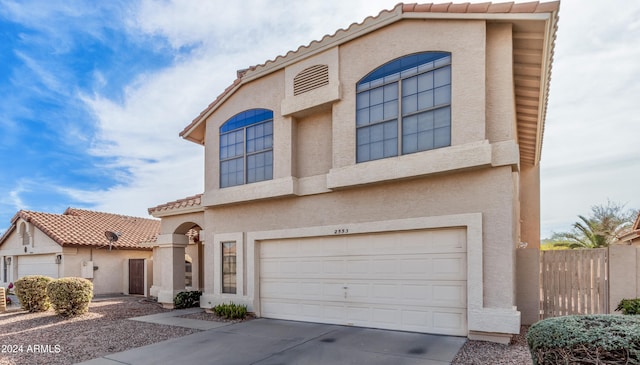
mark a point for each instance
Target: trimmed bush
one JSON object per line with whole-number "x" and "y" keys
{"x": 70, "y": 296}
{"x": 32, "y": 292}
{"x": 231, "y": 311}
{"x": 629, "y": 306}
{"x": 187, "y": 299}
{"x": 590, "y": 339}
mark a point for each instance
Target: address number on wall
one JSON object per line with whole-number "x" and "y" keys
{"x": 341, "y": 231}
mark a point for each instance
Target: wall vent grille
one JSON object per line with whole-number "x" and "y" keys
{"x": 311, "y": 78}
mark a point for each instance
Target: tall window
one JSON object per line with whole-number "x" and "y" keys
{"x": 229, "y": 267}
{"x": 4, "y": 269}
{"x": 404, "y": 107}
{"x": 188, "y": 274}
{"x": 246, "y": 148}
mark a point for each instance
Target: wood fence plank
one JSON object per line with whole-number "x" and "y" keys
{"x": 574, "y": 282}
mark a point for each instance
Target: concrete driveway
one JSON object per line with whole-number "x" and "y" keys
{"x": 266, "y": 341}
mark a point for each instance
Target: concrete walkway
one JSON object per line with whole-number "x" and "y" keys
{"x": 266, "y": 341}
{"x": 172, "y": 319}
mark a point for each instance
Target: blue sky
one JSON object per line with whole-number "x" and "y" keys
{"x": 94, "y": 94}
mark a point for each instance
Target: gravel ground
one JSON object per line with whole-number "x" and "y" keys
{"x": 480, "y": 352}
{"x": 45, "y": 338}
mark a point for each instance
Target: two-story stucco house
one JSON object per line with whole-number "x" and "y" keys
{"x": 384, "y": 176}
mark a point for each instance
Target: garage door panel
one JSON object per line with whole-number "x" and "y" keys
{"x": 37, "y": 265}
{"x": 414, "y": 281}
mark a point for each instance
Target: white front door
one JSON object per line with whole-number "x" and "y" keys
{"x": 411, "y": 280}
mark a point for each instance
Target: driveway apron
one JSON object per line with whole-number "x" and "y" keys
{"x": 276, "y": 342}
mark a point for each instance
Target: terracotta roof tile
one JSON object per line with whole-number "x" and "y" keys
{"x": 529, "y": 7}
{"x": 191, "y": 201}
{"x": 79, "y": 227}
{"x": 500, "y": 7}
{"x": 548, "y": 7}
{"x": 478, "y": 8}
{"x": 440, "y": 8}
{"x": 458, "y": 8}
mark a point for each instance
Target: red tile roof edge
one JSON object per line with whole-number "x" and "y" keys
{"x": 79, "y": 217}
{"x": 190, "y": 201}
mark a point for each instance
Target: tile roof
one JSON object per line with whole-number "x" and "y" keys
{"x": 188, "y": 202}
{"x": 488, "y": 8}
{"x": 79, "y": 227}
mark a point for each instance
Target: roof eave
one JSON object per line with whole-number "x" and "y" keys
{"x": 177, "y": 211}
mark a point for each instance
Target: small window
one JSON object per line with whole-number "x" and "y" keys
{"x": 188, "y": 274}
{"x": 404, "y": 107}
{"x": 246, "y": 148}
{"x": 229, "y": 267}
{"x": 4, "y": 269}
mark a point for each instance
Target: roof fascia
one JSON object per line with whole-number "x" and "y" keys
{"x": 477, "y": 16}
{"x": 547, "y": 57}
{"x": 177, "y": 211}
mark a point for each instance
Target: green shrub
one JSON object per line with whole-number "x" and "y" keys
{"x": 591, "y": 339}
{"x": 32, "y": 293}
{"x": 231, "y": 311}
{"x": 70, "y": 296}
{"x": 629, "y": 306}
{"x": 187, "y": 299}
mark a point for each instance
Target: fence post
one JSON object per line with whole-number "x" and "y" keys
{"x": 623, "y": 274}
{"x": 528, "y": 284}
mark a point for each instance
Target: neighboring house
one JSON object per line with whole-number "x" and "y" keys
{"x": 631, "y": 237}
{"x": 382, "y": 177}
{"x": 74, "y": 244}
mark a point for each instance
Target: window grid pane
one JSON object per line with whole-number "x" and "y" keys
{"x": 255, "y": 157}
{"x": 229, "y": 268}
{"x": 425, "y": 83}
{"x": 377, "y": 141}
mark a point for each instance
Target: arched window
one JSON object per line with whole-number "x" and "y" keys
{"x": 404, "y": 106}
{"x": 24, "y": 234}
{"x": 246, "y": 148}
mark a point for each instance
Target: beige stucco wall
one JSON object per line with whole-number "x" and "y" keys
{"x": 624, "y": 274}
{"x": 317, "y": 182}
{"x": 486, "y": 191}
{"x": 109, "y": 277}
{"x": 312, "y": 152}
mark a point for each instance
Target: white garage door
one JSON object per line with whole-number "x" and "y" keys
{"x": 37, "y": 265}
{"x": 412, "y": 281}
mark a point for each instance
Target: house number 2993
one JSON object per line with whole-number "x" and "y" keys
{"x": 341, "y": 231}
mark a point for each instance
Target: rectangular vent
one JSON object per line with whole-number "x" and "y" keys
{"x": 311, "y": 78}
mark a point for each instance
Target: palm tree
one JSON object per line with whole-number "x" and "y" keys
{"x": 600, "y": 230}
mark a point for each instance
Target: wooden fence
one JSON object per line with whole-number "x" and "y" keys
{"x": 574, "y": 282}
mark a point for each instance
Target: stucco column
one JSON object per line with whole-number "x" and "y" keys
{"x": 528, "y": 258}
{"x": 170, "y": 259}
{"x": 530, "y": 205}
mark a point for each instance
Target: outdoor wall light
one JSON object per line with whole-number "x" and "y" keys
{"x": 58, "y": 259}
{"x": 8, "y": 260}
